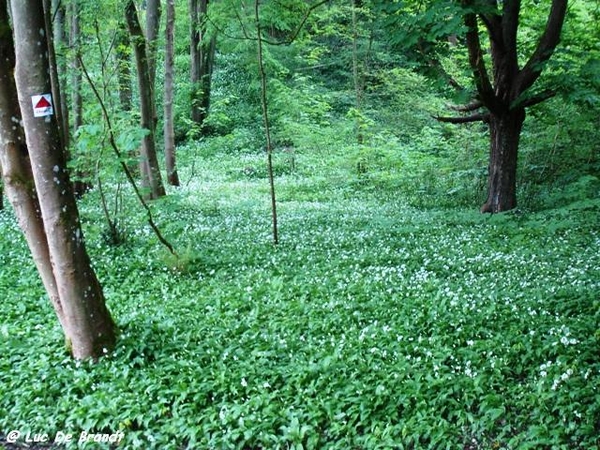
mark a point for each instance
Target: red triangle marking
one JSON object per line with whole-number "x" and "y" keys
{"x": 43, "y": 103}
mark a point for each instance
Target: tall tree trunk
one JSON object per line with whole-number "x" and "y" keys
{"x": 151, "y": 178}
{"x": 82, "y": 182}
{"x": 123, "y": 61}
{"x": 53, "y": 68}
{"x": 357, "y": 75}
{"x": 505, "y": 133}
{"x": 202, "y": 56}
{"x": 266, "y": 122}
{"x": 58, "y": 26}
{"x": 16, "y": 168}
{"x": 74, "y": 37}
{"x": 153, "y": 12}
{"x": 169, "y": 131}
{"x": 88, "y": 326}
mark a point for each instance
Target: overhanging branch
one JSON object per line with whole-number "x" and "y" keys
{"x": 483, "y": 117}
{"x": 535, "y": 100}
{"x": 544, "y": 49}
{"x": 473, "y": 106}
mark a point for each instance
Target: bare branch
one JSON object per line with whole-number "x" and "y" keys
{"x": 113, "y": 144}
{"x": 483, "y": 117}
{"x": 246, "y": 37}
{"x": 473, "y": 106}
{"x": 535, "y": 100}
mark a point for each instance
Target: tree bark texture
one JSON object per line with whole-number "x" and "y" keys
{"x": 149, "y": 168}
{"x": 169, "y": 129}
{"x": 54, "y": 80}
{"x": 153, "y": 12}
{"x": 16, "y": 168}
{"x": 88, "y": 326}
{"x": 505, "y": 133}
{"x": 123, "y": 61}
{"x": 58, "y": 25}
{"x": 74, "y": 37}
{"x": 504, "y": 93}
{"x": 202, "y": 55}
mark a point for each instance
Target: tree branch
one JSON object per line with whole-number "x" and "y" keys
{"x": 483, "y": 117}
{"x": 113, "y": 144}
{"x": 482, "y": 80}
{"x": 536, "y": 99}
{"x": 246, "y": 37}
{"x": 473, "y": 106}
{"x": 510, "y": 24}
{"x": 545, "y": 48}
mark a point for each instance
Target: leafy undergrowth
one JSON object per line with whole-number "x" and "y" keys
{"x": 372, "y": 326}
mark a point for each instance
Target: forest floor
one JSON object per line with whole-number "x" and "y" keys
{"x": 373, "y": 324}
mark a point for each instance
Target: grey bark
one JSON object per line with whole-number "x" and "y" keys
{"x": 16, "y": 168}
{"x": 88, "y": 325}
{"x": 149, "y": 168}
{"x": 58, "y": 26}
{"x": 202, "y": 56}
{"x": 169, "y": 132}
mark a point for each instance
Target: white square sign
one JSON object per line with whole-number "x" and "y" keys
{"x": 42, "y": 105}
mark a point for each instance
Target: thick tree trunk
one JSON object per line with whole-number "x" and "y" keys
{"x": 151, "y": 178}
{"x": 169, "y": 132}
{"x": 88, "y": 326}
{"x": 202, "y": 56}
{"x": 16, "y": 168}
{"x": 505, "y": 132}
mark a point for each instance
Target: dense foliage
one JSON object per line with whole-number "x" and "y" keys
{"x": 373, "y": 324}
{"x": 391, "y": 315}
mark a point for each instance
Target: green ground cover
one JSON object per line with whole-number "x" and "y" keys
{"x": 374, "y": 325}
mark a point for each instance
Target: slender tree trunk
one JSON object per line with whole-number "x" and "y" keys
{"x": 82, "y": 182}
{"x": 202, "y": 56}
{"x": 357, "y": 75}
{"x": 58, "y": 9}
{"x": 267, "y": 125}
{"x": 54, "y": 80}
{"x": 505, "y": 132}
{"x": 123, "y": 61}
{"x": 74, "y": 37}
{"x": 153, "y": 12}
{"x": 88, "y": 326}
{"x": 169, "y": 131}
{"x": 151, "y": 178}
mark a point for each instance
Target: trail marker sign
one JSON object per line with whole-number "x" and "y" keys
{"x": 42, "y": 105}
